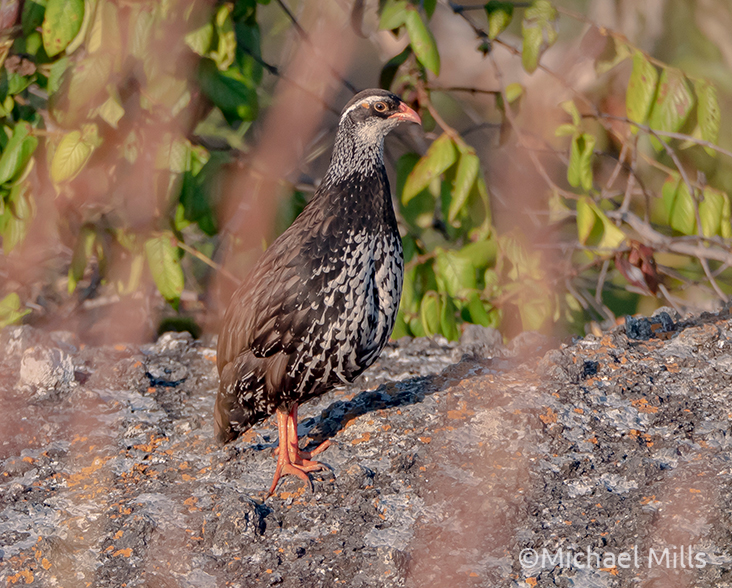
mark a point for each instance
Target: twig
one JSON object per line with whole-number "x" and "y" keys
{"x": 208, "y": 261}
{"x": 631, "y": 177}
{"x": 449, "y": 131}
{"x": 514, "y": 125}
{"x": 664, "y": 243}
{"x": 601, "y": 281}
{"x": 467, "y": 89}
{"x": 670, "y": 299}
{"x": 668, "y": 134}
{"x": 274, "y": 70}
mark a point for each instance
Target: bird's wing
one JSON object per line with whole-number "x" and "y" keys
{"x": 271, "y": 311}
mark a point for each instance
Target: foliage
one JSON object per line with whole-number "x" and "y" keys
{"x": 90, "y": 89}
{"x": 91, "y": 86}
{"x": 446, "y": 285}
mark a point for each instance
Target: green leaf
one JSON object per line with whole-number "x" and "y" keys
{"x": 140, "y": 32}
{"x": 173, "y": 154}
{"x": 594, "y": 228}
{"x": 534, "y": 312}
{"x": 390, "y": 67}
{"x": 531, "y": 50}
{"x": 620, "y": 52}
{"x": 225, "y": 52}
{"x": 448, "y": 322}
{"x": 513, "y": 92}
{"x": 61, "y": 22}
{"x": 725, "y": 228}
{"x": 480, "y": 253}
{"x": 393, "y": 14}
{"x": 571, "y": 109}
{"x": 32, "y": 18}
{"x": 539, "y": 32}
{"x": 455, "y": 273}
{"x": 200, "y": 39}
{"x": 71, "y": 155}
{"x": 17, "y": 217}
{"x": 416, "y": 328}
{"x": 430, "y": 313}
{"x": 17, "y": 83}
{"x": 112, "y": 111}
{"x": 707, "y": 113}
{"x": 477, "y": 311}
{"x": 711, "y": 211}
{"x": 409, "y": 299}
{"x": 579, "y": 171}
{"x": 585, "y": 219}
{"x": 168, "y": 92}
{"x": 401, "y": 329}
{"x": 17, "y": 152}
{"x": 641, "y": 90}
{"x": 235, "y": 96}
{"x": 612, "y": 236}
{"x": 422, "y": 41}
{"x": 558, "y": 210}
{"x": 133, "y": 279}
{"x": 10, "y": 311}
{"x": 679, "y": 204}
{"x": 673, "y": 103}
{"x": 499, "y": 17}
{"x": 565, "y": 130}
{"x": 82, "y": 251}
{"x": 57, "y": 70}
{"x": 88, "y": 79}
{"x": 89, "y": 11}
{"x": 439, "y": 157}
{"x": 162, "y": 258}
{"x": 467, "y": 172}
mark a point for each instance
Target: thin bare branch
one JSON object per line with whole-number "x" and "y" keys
{"x": 306, "y": 38}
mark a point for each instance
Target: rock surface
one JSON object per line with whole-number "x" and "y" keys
{"x": 450, "y": 466}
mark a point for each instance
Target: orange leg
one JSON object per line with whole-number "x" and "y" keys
{"x": 290, "y": 460}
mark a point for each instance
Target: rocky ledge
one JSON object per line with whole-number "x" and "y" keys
{"x": 601, "y": 463}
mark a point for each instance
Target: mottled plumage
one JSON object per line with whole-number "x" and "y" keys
{"x": 320, "y": 304}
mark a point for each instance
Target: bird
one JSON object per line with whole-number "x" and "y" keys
{"x": 320, "y": 304}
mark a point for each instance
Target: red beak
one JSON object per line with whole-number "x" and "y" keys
{"x": 406, "y": 113}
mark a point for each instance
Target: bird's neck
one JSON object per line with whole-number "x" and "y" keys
{"x": 356, "y": 155}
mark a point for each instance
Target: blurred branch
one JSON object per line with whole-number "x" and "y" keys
{"x": 275, "y": 71}
{"x": 467, "y": 89}
{"x": 306, "y": 38}
{"x": 519, "y": 134}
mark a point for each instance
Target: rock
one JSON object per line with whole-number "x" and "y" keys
{"x": 44, "y": 371}
{"x": 164, "y": 371}
{"x": 638, "y": 328}
{"x": 17, "y": 338}
{"x": 441, "y": 473}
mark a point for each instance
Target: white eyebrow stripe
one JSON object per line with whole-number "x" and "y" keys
{"x": 370, "y": 100}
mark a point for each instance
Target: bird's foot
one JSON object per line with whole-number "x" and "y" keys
{"x": 300, "y": 466}
{"x": 306, "y": 454}
{"x": 290, "y": 460}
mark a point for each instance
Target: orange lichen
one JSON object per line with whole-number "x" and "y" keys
{"x": 27, "y": 575}
{"x": 362, "y": 439}
{"x": 549, "y": 417}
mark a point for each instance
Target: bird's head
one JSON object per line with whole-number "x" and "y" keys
{"x": 365, "y": 121}
{"x": 371, "y": 114}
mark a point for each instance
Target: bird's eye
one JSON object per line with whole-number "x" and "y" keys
{"x": 380, "y": 107}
